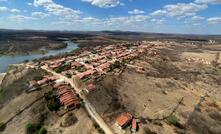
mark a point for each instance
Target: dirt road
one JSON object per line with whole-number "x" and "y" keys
{"x": 89, "y": 107}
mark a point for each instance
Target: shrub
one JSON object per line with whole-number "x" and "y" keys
{"x": 53, "y": 106}
{"x": 2, "y": 127}
{"x": 30, "y": 128}
{"x": 26, "y": 61}
{"x": 172, "y": 119}
{"x": 58, "y": 70}
{"x": 37, "y": 78}
{"x": 68, "y": 75}
{"x": 35, "y": 129}
{"x": 42, "y": 131}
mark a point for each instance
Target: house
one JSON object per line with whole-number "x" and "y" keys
{"x": 42, "y": 82}
{"x": 76, "y": 64}
{"x": 90, "y": 88}
{"x": 55, "y": 65}
{"x": 134, "y": 125}
{"x": 32, "y": 83}
{"x": 68, "y": 98}
{"x": 85, "y": 74}
{"x": 59, "y": 84}
{"x": 123, "y": 120}
{"x": 104, "y": 67}
{"x": 51, "y": 78}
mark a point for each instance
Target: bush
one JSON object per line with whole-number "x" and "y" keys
{"x": 53, "y": 103}
{"x": 68, "y": 75}
{"x": 58, "y": 70}
{"x": 117, "y": 64}
{"x": 172, "y": 119}
{"x": 2, "y": 127}
{"x": 26, "y": 61}
{"x": 37, "y": 78}
{"x": 42, "y": 131}
{"x": 30, "y": 128}
{"x": 53, "y": 106}
{"x": 35, "y": 129}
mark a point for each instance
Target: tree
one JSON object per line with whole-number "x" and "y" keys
{"x": 2, "y": 127}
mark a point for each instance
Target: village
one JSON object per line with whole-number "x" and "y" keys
{"x": 74, "y": 77}
{"x": 100, "y": 83}
{"x": 84, "y": 70}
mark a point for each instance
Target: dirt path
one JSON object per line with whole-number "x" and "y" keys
{"x": 89, "y": 107}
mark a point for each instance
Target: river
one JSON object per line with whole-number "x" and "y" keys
{"x": 5, "y": 61}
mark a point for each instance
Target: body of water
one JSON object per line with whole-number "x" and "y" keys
{"x": 5, "y": 61}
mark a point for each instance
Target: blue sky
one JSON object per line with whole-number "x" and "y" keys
{"x": 163, "y": 16}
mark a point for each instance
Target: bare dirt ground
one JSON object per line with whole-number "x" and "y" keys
{"x": 1, "y": 78}
{"x": 171, "y": 85}
{"x": 84, "y": 125}
{"x": 38, "y": 112}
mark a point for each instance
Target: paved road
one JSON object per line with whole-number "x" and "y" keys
{"x": 89, "y": 107}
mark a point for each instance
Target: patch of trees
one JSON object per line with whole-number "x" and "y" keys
{"x": 32, "y": 128}
{"x": 62, "y": 68}
{"x": 116, "y": 64}
{"x": 53, "y": 103}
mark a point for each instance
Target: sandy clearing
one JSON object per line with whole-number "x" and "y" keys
{"x": 206, "y": 56}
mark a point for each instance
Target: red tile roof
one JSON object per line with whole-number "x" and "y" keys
{"x": 90, "y": 87}
{"x": 124, "y": 119}
{"x": 134, "y": 124}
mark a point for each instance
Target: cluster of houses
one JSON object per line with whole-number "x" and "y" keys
{"x": 126, "y": 119}
{"x": 67, "y": 97}
{"x": 37, "y": 84}
{"x": 90, "y": 65}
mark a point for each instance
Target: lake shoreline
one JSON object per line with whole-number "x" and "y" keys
{"x": 5, "y": 61}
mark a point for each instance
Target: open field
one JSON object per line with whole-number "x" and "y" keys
{"x": 171, "y": 85}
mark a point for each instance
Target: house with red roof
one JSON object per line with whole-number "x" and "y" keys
{"x": 124, "y": 120}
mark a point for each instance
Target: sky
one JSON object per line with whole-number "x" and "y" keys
{"x": 159, "y": 16}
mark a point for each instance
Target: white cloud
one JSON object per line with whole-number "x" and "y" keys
{"x": 58, "y": 10}
{"x": 158, "y": 21}
{"x": 4, "y": 9}
{"x": 15, "y": 11}
{"x": 180, "y": 10}
{"x": 39, "y": 14}
{"x": 20, "y": 18}
{"x": 136, "y": 11}
{"x": 42, "y": 2}
{"x": 208, "y": 1}
{"x": 91, "y": 20}
{"x": 194, "y": 21}
{"x": 126, "y": 20}
{"x": 214, "y": 20}
{"x": 197, "y": 18}
{"x": 159, "y": 13}
{"x": 104, "y": 3}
